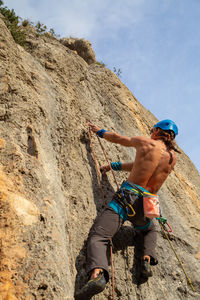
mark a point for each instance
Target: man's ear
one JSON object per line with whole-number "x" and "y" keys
{"x": 169, "y": 136}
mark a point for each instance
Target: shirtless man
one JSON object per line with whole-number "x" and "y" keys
{"x": 154, "y": 161}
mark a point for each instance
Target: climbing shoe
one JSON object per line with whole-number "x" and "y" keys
{"x": 92, "y": 287}
{"x": 146, "y": 269}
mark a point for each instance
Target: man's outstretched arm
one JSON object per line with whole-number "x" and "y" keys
{"x": 114, "y": 137}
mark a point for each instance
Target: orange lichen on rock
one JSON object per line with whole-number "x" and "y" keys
{"x": 2, "y": 143}
{"x": 7, "y": 291}
{"x": 134, "y": 108}
{"x": 15, "y": 212}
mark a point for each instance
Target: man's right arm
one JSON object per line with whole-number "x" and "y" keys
{"x": 116, "y": 138}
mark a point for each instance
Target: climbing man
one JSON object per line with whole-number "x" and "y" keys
{"x": 155, "y": 159}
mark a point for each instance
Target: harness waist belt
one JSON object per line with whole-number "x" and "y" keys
{"x": 143, "y": 227}
{"x": 118, "y": 209}
{"x": 139, "y": 190}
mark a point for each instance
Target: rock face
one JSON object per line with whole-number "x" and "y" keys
{"x": 48, "y": 182}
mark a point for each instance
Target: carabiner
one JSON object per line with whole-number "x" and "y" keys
{"x": 131, "y": 208}
{"x": 170, "y": 229}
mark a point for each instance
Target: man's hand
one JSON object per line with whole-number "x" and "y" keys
{"x": 104, "y": 169}
{"x": 93, "y": 127}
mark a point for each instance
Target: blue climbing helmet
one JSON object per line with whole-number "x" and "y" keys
{"x": 167, "y": 125}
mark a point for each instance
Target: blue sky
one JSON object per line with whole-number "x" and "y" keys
{"x": 155, "y": 43}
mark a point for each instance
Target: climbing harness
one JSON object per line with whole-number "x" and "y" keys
{"x": 128, "y": 202}
{"x": 103, "y": 198}
{"x": 143, "y": 227}
{"x": 126, "y": 199}
{"x": 150, "y": 201}
{"x": 167, "y": 236}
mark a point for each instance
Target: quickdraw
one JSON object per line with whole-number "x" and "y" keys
{"x": 170, "y": 229}
{"x": 164, "y": 222}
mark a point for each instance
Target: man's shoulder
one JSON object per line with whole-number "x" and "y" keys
{"x": 141, "y": 140}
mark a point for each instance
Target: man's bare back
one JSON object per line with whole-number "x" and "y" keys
{"x": 153, "y": 163}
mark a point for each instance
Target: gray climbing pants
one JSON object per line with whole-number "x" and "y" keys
{"x": 105, "y": 227}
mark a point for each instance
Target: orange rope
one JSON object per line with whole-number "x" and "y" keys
{"x": 96, "y": 165}
{"x": 111, "y": 252}
{"x": 103, "y": 198}
{"x": 104, "y": 152}
{"x": 113, "y": 271}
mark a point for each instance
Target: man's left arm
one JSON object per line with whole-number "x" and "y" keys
{"x": 117, "y": 166}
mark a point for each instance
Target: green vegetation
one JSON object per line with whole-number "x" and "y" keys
{"x": 18, "y": 27}
{"x": 101, "y": 64}
{"x": 26, "y": 23}
{"x": 40, "y": 28}
{"x": 13, "y": 23}
{"x": 117, "y": 72}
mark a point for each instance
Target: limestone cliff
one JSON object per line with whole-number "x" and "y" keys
{"x": 48, "y": 182}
